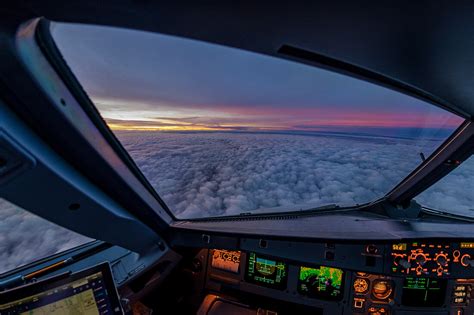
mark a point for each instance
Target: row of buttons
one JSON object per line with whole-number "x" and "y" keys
{"x": 461, "y": 293}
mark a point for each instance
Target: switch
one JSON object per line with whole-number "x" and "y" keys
{"x": 359, "y": 303}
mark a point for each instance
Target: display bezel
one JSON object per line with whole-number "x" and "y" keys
{"x": 280, "y": 286}
{"x": 27, "y": 290}
{"x": 322, "y": 296}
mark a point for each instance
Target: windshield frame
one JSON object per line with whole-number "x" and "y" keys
{"x": 447, "y": 157}
{"x": 51, "y": 51}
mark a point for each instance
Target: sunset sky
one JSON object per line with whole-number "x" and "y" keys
{"x": 145, "y": 81}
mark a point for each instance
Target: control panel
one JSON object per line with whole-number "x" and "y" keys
{"x": 415, "y": 277}
{"x": 432, "y": 259}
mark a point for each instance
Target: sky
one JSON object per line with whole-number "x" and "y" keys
{"x": 146, "y": 81}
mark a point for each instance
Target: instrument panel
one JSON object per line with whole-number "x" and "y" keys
{"x": 414, "y": 277}
{"x": 433, "y": 259}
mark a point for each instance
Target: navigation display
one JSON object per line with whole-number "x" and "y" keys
{"x": 266, "y": 272}
{"x": 89, "y": 292}
{"x": 324, "y": 282}
{"x": 423, "y": 292}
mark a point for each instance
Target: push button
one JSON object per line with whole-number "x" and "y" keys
{"x": 359, "y": 305}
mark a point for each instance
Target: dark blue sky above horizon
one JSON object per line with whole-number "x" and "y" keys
{"x": 146, "y": 81}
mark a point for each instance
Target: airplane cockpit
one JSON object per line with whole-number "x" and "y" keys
{"x": 236, "y": 158}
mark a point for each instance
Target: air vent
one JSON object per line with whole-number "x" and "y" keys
{"x": 251, "y": 218}
{"x": 13, "y": 159}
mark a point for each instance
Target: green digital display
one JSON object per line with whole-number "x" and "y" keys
{"x": 266, "y": 272}
{"x": 323, "y": 282}
{"x": 423, "y": 292}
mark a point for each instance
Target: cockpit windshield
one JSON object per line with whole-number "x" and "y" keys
{"x": 454, "y": 193}
{"x": 220, "y": 131}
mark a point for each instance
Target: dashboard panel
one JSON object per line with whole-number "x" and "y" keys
{"x": 412, "y": 277}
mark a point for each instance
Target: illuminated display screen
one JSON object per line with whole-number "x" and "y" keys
{"x": 423, "y": 292}
{"x": 267, "y": 272}
{"x": 467, "y": 245}
{"x": 323, "y": 282}
{"x": 89, "y": 292}
{"x": 400, "y": 246}
{"x": 227, "y": 260}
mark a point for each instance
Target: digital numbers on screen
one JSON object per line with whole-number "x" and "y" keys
{"x": 428, "y": 292}
{"x": 323, "y": 282}
{"x": 266, "y": 272}
{"x": 226, "y": 260}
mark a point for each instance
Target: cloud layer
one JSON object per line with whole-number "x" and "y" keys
{"x": 214, "y": 174}
{"x": 454, "y": 193}
{"x": 25, "y": 237}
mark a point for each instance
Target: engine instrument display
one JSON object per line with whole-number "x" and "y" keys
{"x": 323, "y": 282}
{"x": 227, "y": 260}
{"x": 425, "y": 292}
{"x": 266, "y": 272}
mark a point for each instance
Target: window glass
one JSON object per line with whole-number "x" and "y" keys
{"x": 454, "y": 193}
{"x": 221, "y": 131}
{"x": 25, "y": 237}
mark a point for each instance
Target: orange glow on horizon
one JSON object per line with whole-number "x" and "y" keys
{"x": 115, "y": 126}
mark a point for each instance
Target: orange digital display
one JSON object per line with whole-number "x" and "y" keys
{"x": 467, "y": 245}
{"x": 400, "y": 246}
{"x": 226, "y": 260}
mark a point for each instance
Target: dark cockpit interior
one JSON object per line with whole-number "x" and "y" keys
{"x": 236, "y": 158}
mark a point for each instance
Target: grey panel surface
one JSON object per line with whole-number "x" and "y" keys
{"x": 351, "y": 225}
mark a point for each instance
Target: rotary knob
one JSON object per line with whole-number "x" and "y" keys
{"x": 420, "y": 259}
{"x": 442, "y": 260}
{"x": 466, "y": 260}
{"x": 404, "y": 263}
{"x": 399, "y": 260}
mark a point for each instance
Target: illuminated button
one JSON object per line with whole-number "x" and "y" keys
{"x": 359, "y": 303}
{"x": 459, "y": 294}
{"x": 460, "y": 288}
{"x": 459, "y": 300}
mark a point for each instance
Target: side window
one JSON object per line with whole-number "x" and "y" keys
{"x": 25, "y": 237}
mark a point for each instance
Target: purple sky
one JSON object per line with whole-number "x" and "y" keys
{"x": 150, "y": 81}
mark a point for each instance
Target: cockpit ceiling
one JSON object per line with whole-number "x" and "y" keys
{"x": 425, "y": 45}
